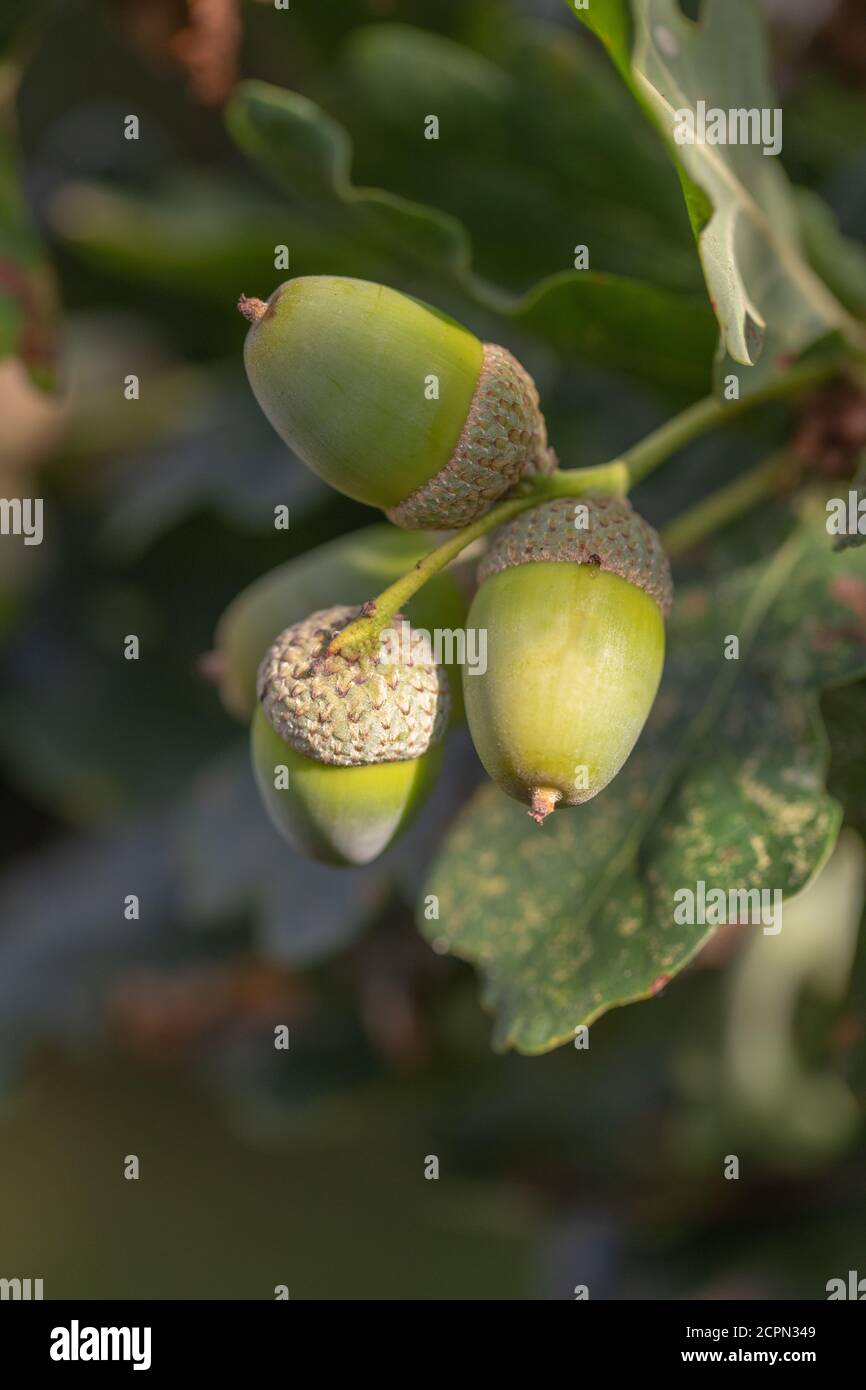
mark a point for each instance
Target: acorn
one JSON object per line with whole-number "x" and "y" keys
{"x": 575, "y": 621}
{"x": 392, "y": 402}
{"x": 345, "y": 748}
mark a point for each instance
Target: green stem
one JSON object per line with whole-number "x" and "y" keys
{"x": 711, "y": 412}
{"x": 728, "y": 503}
{"x": 610, "y": 479}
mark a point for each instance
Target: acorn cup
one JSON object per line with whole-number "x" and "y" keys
{"x": 343, "y": 571}
{"x": 391, "y": 402}
{"x": 575, "y": 648}
{"x": 346, "y": 748}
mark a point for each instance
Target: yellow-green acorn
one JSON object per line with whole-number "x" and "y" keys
{"x": 391, "y": 402}
{"x": 346, "y": 747}
{"x": 573, "y": 597}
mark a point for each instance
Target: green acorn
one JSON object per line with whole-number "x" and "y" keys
{"x": 391, "y": 402}
{"x": 574, "y": 616}
{"x": 345, "y": 748}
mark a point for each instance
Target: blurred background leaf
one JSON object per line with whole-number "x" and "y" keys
{"x": 769, "y": 303}
{"x": 669, "y": 337}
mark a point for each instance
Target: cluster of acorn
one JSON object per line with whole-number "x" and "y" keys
{"x": 398, "y": 406}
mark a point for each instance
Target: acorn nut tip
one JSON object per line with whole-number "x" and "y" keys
{"x": 542, "y": 802}
{"x": 252, "y": 309}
